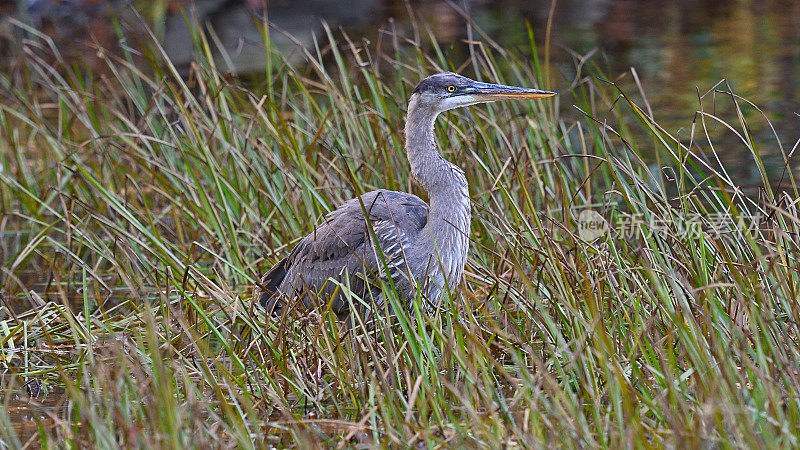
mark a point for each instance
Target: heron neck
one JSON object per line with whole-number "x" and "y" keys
{"x": 445, "y": 182}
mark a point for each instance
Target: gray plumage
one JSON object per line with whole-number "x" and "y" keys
{"x": 424, "y": 246}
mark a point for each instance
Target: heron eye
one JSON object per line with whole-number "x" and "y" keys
{"x": 451, "y": 88}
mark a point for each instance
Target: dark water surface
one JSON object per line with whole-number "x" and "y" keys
{"x": 678, "y": 48}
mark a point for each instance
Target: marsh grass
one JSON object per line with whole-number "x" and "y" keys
{"x": 140, "y": 205}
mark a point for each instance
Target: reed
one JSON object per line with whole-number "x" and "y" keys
{"x": 140, "y": 206}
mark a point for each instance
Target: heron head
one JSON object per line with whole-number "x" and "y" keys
{"x": 445, "y": 91}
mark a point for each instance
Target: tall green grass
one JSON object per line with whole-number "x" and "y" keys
{"x": 140, "y": 205}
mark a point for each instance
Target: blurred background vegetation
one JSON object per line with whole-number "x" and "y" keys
{"x": 679, "y": 49}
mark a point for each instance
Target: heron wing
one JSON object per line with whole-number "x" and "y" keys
{"x": 341, "y": 250}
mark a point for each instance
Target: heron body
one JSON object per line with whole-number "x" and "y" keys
{"x": 419, "y": 247}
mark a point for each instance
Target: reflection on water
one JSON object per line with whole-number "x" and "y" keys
{"x": 677, "y": 47}
{"x": 674, "y": 45}
{"x": 31, "y": 408}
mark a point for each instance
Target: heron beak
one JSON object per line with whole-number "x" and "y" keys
{"x": 487, "y": 92}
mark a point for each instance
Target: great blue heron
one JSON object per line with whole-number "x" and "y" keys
{"x": 420, "y": 247}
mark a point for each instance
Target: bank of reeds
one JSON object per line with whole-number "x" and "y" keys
{"x": 138, "y": 208}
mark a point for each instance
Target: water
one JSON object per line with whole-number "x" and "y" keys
{"x": 678, "y": 48}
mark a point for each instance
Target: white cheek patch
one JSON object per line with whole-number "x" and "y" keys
{"x": 459, "y": 101}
